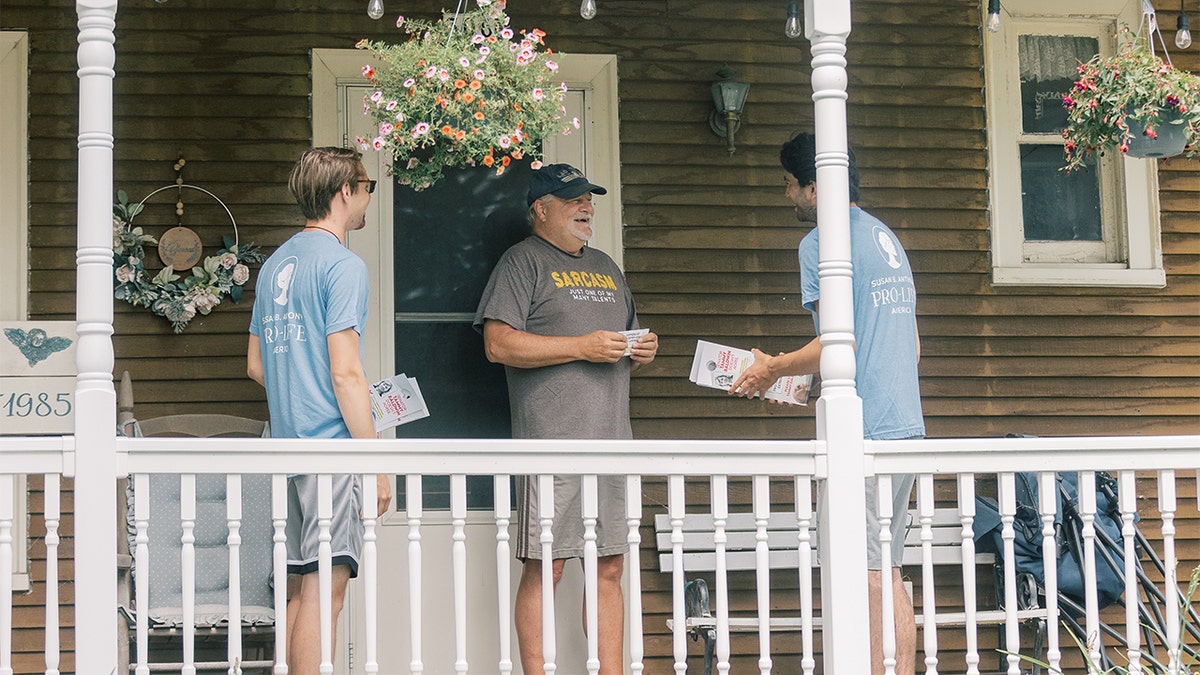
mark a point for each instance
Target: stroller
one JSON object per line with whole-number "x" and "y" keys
{"x": 1110, "y": 567}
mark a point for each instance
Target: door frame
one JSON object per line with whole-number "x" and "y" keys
{"x": 593, "y": 74}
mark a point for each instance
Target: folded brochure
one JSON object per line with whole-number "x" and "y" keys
{"x": 718, "y": 366}
{"x": 396, "y": 400}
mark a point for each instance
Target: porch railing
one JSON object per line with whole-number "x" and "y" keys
{"x": 794, "y": 465}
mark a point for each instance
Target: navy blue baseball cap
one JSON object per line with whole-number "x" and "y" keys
{"x": 561, "y": 180}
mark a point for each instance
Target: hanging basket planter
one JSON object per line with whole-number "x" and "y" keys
{"x": 1167, "y": 139}
{"x": 1133, "y": 102}
{"x": 467, "y": 90}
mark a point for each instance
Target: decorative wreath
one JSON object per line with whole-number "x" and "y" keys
{"x": 167, "y": 294}
{"x": 466, "y": 90}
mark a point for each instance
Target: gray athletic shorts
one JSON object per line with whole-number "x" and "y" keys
{"x": 568, "y": 517}
{"x": 901, "y": 491}
{"x": 302, "y": 530}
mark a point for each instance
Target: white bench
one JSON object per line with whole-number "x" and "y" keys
{"x": 741, "y": 532}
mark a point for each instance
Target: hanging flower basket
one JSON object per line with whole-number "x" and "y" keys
{"x": 1130, "y": 102}
{"x": 467, "y": 90}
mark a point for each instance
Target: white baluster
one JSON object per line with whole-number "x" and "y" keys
{"x": 804, "y": 525}
{"x": 7, "y": 516}
{"x": 887, "y": 605}
{"x": 591, "y": 585}
{"x": 633, "y": 520}
{"x": 141, "y": 569}
{"x": 51, "y": 498}
{"x": 279, "y": 501}
{"x": 458, "y": 556}
{"x": 676, "y": 507}
{"x": 761, "y": 501}
{"x": 414, "y": 509}
{"x": 370, "y": 572}
{"x": 966, "y": 515}
{"x": 1166, "y": 507}
{"x": 546, "y": 519}
{"x": 928, "y": 587}
{"x": 233, "y": 515}
{"x": 1087, "y": 514}
{"x": 720, "y": 511}
{"x": 1127, "y": 495}
{"x": 1047, "y": 506}
{"x": 502, "y": 496}
{"x": 325, "y": 568}
{"x": 187, "y": 563}
{"x": 1007, "y": 489}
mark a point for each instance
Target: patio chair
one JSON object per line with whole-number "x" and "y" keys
{"x": 165, "y": 615}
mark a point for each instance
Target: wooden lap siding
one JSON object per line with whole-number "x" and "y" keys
{"x": 710, "y": 240}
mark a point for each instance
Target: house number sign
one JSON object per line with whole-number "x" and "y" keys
{"x": 37, "y": 377}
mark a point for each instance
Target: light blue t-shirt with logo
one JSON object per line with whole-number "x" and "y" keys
{"x": 311, "y": 287}
{"x": 885, "y": 325}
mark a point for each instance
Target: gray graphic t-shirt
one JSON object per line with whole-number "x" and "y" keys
{"x": 538, "y": 288}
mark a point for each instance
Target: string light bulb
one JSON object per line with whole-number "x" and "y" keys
{"x": 791, "y": 28}
{"x": 587, "y": 9}
{"x": 993, "y": 20}
{"x": 375, "y": 9}
{"x": 1183, "y": 36}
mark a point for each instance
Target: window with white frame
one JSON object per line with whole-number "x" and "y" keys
{"x": 14, "y": 225}
{"x": 1098, "y": 226}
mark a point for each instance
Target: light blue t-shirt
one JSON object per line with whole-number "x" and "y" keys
{"x": 885, "y": 325}
{"x": 310, "y": 288}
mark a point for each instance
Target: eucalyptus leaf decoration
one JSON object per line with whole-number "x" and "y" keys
{"x": 168, "y": 294}
{"x": 1133, "y": 84}
{"x": 467, "y": 90}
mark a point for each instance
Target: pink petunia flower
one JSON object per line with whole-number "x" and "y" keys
{"x": 420, "y": 130}
{"x": 538, "y": 94}
{"x": 377, "y": 143}
{"x": 464, "y": 62}
{"x": 485, "y": 50}
{"x": 505, "y": 141}
{"x": 443, "y": 75}
{"x": 479, "y": 74}
{"x": 551, "y": 66}
{"x": 391, "y": 105}
{"x": 386, "y": 128}
{"x": 399, "y": 21}
{"x": 431, "y": 71}
{"x": 377, "y": 96}
{"x": 575, "y": 122}
{"x": 368, "y": 71}
{"x": 409, "y": 82}
{"x": 507, "y": 34}
{"x": 361, "y": 143}
{"x": 477, "y": 39}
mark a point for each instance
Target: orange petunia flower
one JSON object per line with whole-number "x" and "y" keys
{"x": 447, "y": 130}
{"x": 488, "y": 161}
{"x": 475, "y": 85}
{"x": 459, "y": 135}
{"x": 517, "y": 106}
{"x": 459, "y": 84}
{"x": 468, "y": 97}
{"x": 479, "y": 115}
{"x": 504, "y": 161}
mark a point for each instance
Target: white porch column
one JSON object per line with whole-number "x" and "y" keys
{"x": 839, "y": 410}
{"x": 95, "y": 400}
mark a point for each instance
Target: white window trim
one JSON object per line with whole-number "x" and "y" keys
{"x": 1137, "y": 208}
{"x": 14, "y": 245}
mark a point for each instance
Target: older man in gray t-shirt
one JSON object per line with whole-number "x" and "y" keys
{"x": 551, "y": 313}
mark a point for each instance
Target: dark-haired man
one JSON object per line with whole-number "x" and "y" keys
{"x": 552, "y": 313}
{"x": 887, "y": 349}
{"x": 306, "y": 331}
